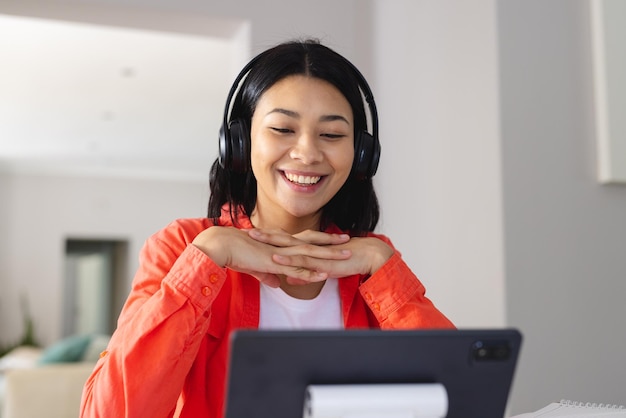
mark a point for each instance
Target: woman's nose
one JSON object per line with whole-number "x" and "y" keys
{"x": 307, "y": 150}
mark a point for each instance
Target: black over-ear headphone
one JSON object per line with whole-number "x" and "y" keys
{"x": 235, "y": 135}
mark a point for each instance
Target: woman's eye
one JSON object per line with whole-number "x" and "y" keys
{"x": 333, "y": 136}
{"x": 281, "y": 130}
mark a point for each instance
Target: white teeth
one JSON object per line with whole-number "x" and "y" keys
{"x": 302, "y": 179}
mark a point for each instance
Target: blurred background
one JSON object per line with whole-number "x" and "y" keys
{"x": 493, "y": 180}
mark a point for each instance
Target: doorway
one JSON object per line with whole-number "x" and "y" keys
{"x": 94, "y": 276}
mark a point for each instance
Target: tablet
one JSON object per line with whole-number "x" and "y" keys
{"x": 270, "y": 371}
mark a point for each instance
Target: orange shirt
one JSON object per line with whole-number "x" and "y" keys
{"x": 169, "y": 354}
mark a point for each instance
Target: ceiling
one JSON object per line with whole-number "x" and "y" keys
{"x": 87, "y": 99}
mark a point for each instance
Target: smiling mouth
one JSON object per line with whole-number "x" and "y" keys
{"x": 303, "y": 180}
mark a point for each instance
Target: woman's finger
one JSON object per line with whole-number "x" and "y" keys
{"x": 275, "y": 238}
{"x": 308, "y": 253}
{"x": 321, "y": 238}
{"x": 301, "y": 263}
{"x": 269, "y": 279}
{"x": 296, "y": 282}
{"x": 281, "y": 238}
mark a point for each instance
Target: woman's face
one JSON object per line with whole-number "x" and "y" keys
{"x": 302, "y": 147}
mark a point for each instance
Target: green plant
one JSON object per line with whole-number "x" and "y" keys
{"x": 29, "y": 330}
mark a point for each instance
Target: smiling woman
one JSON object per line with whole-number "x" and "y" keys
{"x": 288, "y": 242}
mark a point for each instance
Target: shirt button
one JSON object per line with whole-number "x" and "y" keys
{"x": 369, "y": 297}
{"x": 213, "y": 278}
{"x": 377, "y": 306}
{"x": 206, "y": 291}
{"x": 104, "y": 353}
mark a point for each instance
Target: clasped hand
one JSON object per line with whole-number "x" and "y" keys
{"x": 306, "y": 257}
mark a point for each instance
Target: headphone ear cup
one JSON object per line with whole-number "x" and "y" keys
{"x": 224, "y": 148}
{"x": 366, "y": 156}
{"x": 239, "y": 145}
{"x": 374, "y": 158}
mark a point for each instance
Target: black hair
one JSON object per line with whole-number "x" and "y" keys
{"x": 355, "y": 206}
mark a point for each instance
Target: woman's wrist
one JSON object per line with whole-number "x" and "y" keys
{"x": 214, "y": 248}
{"x": 380, "y": 256}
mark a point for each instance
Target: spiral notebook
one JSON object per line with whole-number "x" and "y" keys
{"x": 577, "y": 409}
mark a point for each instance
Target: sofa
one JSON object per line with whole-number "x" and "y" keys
{"x": 48, "y": 382}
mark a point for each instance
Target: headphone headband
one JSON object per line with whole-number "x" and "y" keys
{"x": 234, "y": 135}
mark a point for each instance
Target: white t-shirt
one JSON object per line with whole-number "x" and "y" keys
{"x": 281, "y": 311}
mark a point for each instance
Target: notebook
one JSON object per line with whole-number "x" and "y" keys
{"x": 271, "y": 372}
{"x": 567, "y": 408}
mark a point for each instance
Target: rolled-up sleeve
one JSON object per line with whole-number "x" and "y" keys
{"x": 397, "y": 298}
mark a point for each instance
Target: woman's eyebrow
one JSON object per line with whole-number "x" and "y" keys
{"x": 296, "y": 115}
{"x": 289, "y": 113}
{"x": 332, "y": 118}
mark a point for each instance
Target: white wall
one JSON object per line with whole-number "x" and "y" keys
{"x": 43, "y": 211}
{"x": 4, "y": 247}
{"x": 439, "y": 181}
{"x": 565, "y": 232}
{"x": 344, "y": 24}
